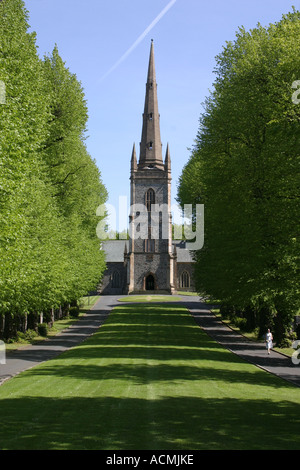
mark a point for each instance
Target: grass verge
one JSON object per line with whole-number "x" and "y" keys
{"x": 88, "y": 302}
{"x": 251, "y": 335}
{"x": 59, "y": 325}
{"x": 148, "y": 379}
{"x": 150, "y": 298}
{"x": 195, "y": 294}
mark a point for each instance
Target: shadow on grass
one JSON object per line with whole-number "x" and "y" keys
{"x": 148, "y": 379}
{"x": 159, "y": 373}
{"x": 132, "y": 423}
{"x": 153, "y": 347}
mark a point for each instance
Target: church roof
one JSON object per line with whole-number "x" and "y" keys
{"x": 114, "y": 251}
{"x": 183, "y": 254}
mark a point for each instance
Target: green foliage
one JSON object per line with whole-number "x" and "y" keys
{"x": 29, "y": 335}
{"x": 75, "y": 178}
{"x": 74, "y": 311}
{"x": 43, "y": 329}
{"x": 244, "y": 168}
{"x": 50, "y": 187}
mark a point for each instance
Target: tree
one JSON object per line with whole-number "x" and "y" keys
{"x": 246, "y": 157}
{"x": 23, "y": 120}
{"x": 50, "y": 187}
{"x": 76, "y": 180}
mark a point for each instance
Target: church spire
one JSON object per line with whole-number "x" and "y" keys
{"x": 151, "y": 68}
{"x": 151, "y": 148}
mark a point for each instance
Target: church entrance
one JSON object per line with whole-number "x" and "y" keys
{"x": 150, "y": 282}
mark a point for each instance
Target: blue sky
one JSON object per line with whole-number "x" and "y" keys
{"x": 93, "y": 35}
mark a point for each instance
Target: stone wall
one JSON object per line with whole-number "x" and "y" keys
{"x": 188, "y": 268}
{"x": 115, "y": 271}
{"x": 155, "y": 264}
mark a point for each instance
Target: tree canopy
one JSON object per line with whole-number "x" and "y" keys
{"x": 50, "y": 187}
{"x": 245, "y": 168}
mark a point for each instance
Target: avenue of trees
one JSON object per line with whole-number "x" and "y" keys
{"x": 244, "y": 168}
{"x": 50, "y": 187}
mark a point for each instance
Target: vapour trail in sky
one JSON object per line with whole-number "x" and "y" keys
{"x": 140, "y": 38}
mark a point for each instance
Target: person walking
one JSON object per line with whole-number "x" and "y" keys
{"x": 269, "y": 341}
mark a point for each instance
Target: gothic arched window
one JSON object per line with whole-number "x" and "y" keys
{"x": 149, "y": 199}
{"x": 185, "y": 280}
{"x": 116, "y": 279}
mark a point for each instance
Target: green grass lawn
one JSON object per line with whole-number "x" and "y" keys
{"x": 148, "y": 379}
{"x": 188, "y": 293}
{"x": 150, "y": 298}
{"x": 88, "y": 301}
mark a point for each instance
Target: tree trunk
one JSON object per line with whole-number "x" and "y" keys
{"x": 25, "y": 323}
{"x": 2, "y": 326}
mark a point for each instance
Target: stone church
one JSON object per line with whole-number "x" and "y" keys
{"x": 150, "y": 260}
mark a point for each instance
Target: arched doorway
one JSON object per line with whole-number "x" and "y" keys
{"x": 150, "y": 282}
{"x": 116, "y": 281}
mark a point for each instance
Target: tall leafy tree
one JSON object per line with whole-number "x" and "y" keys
{"x": 76, "y": 180}
{"x": 49, "y": 185}
{"x": 246, "y": 158}
{"x": 23, "y": 120}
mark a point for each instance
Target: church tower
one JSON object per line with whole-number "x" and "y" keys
{"x": 150, "y": 258}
